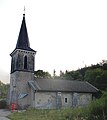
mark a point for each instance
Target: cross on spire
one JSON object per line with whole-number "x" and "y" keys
{"x": 23, "y": 39}
{"x": 24, "y": 12}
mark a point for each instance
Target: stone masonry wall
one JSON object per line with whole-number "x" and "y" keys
{"x": 50, "y": 100}
{"x": 19, "y": 83}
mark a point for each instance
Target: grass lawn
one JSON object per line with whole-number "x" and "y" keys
{"x": 35, "y": 114}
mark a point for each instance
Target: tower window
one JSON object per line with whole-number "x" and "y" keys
{"x": 25, "y": 62}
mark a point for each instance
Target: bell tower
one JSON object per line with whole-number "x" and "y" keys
{"x": 22, "y": 69}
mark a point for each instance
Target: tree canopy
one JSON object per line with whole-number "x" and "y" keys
{"x": 42, "y": 74}
{"x": 94, "y": 74}
{"x": 3, "y": 90}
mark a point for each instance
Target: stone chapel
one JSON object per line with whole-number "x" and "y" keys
{"x": 28, "y": 91}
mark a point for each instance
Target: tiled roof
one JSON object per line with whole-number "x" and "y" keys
{"x": 63, "y": 86}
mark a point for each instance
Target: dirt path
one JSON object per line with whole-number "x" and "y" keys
{"x": 3, "y": 114}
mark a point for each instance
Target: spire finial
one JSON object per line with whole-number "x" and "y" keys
{"x": 24, "y": 12}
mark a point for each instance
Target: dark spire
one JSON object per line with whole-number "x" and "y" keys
{"x": 23, "y": 39}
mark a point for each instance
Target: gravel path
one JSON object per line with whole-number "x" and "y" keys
{"x": 3, "y": 114}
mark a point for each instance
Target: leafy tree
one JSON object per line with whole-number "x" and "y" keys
{"x": 104, "y": 66}
{"x": 72, "y": 75}
{"x": 68, "y": 76}
{"x": 42, "y": 74}
{"x": 97, "y": 77}
{"x": 92, "y": 75}
{"x": 3, "y": 90}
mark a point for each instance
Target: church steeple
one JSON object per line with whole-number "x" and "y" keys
{"x": 23, "y": 39}
{"x": 22, "y": 69}
{"x": 23, "y": 57}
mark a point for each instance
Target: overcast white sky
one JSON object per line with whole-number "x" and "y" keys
{"x": 67, "y": 34}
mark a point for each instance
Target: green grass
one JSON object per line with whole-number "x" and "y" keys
{"x": 58, "y": 114}
{"x": 35, "y": 114}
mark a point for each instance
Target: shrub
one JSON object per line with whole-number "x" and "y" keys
{"x": 3, "y": 104}
{"x": 98, "y": 109}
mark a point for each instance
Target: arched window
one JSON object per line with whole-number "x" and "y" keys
{"x": 25, "y": 62}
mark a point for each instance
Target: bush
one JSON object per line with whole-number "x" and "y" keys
{"x": 98, "y": 109}
{"x": 3, "y": 104}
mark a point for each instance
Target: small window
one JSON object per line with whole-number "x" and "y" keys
{"x": 66, "y": 100}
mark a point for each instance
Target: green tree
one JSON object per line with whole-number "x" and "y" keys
{"x": 94, "y": 76}
{"x": 42, "y": 74}
{"x": 73, "y": 75}
{"x": 3, "y": 90}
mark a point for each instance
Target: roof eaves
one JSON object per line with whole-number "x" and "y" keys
{"x": 92, "y": 86}
{"x": 33, "y": 51}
